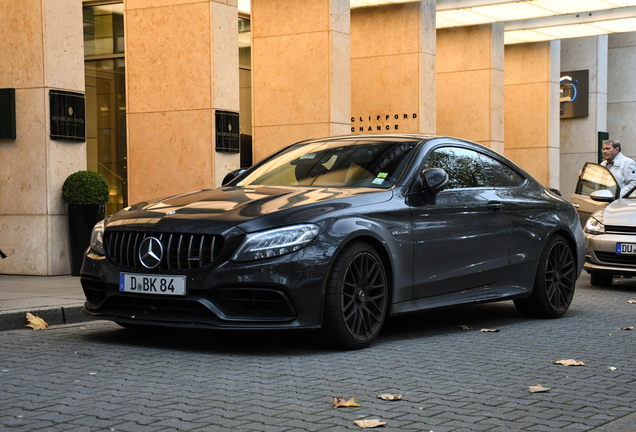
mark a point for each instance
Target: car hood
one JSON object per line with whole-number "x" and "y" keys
{"x": 249, "y": 208}
{"x": 621, "y": 212}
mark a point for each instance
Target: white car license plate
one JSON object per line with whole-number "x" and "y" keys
{"x": 152, "y": 284}
{"x": 626, "y": 248}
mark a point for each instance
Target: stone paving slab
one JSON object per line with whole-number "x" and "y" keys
{"x": 97, "y": 376}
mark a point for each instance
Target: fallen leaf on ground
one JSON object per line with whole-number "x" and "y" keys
{"x": 612, "y": 368}
{"x": 390, "y": 397}
{"x": 369, "y": 423}
{"x": 35, "y": 322}
{"x": 570, "y": 362}
{"x": 464, "y": 327}
{"x": 339, "y": 402}
{"x": 627, "y": 328}
{"x": 490, "y": 330}
{"x": 632, "y": 301}
{"x": 538, "y": 389}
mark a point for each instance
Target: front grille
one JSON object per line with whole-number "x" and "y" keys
{"x": 613, "y": 258}
{"x": 180, "y": 251}
{"x": 611, "y": 229}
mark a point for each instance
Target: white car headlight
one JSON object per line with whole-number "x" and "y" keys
{"x": 594, "y": 224}
{"x": 275, "y": 242}
{"x": 97, "y": 244}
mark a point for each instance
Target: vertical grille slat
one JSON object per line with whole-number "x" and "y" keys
{"x": 169, "y": 253}
{"x": 135, "y": 252}
{"x": 201, "y": 251}
{"x": 212, "y": 249}
{"x": 190, "y": 252}
{"x": 180, "y": 251}
{"x": 115, "y": 249}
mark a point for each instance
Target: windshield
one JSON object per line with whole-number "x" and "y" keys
{"x": 340, "y": 163}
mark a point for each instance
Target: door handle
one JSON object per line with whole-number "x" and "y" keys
{"x": 494, "y": 205}
{"x": 575, "y": 205}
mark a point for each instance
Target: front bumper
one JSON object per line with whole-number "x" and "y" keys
{"x": 277, "y": 293}
{"x": 601, "y": 256}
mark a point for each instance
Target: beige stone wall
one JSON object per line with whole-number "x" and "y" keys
{"x": 470, "y": 84}
{"x": 393, "y": 68}
{"x": 42, "y": 49}
{"x": 301, "y": 71}
{"x": 181, "y": 66}
{"x": 621, "y": 91}
{"x": 531, "y": 120}
{"x": 579, "y": 136}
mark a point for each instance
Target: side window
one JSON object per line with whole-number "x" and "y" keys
{"x": 464, "y": 167}
{"x": 595, "y": 177}
{"x": 500, "y": 175}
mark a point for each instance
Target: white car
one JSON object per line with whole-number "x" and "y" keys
{"x": 609, "y": 225}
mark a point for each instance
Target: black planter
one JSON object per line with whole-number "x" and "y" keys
{"x": 81, "y": 220}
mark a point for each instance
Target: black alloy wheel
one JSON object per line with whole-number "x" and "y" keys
{"x": 554, "y": 282}
{"x": 356, "y": 298}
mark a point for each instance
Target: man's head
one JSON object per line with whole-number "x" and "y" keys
{"x": 611, "y": 149}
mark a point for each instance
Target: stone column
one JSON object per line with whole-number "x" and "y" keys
{"x": 301, "y": 71}
{"x": 532, "y": 109}
{"x": 621, "y": 91}
{"x": 393, "y": 68}
{"x": 41, "y": 50}
{"x": 470, "y": 83}
{"x": 182, "y": 66}
{"x": 579, "y": 136}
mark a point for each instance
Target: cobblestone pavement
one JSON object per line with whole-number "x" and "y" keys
{"x": 98, "y": 377}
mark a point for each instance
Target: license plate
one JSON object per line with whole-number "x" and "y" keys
{"x": 152, "y": 284}
{"x": 626, "y": 248}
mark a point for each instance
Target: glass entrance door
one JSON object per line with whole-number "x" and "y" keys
{"x": 106, "y": 97}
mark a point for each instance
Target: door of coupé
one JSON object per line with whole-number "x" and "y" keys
{"x": 594, "y": 177}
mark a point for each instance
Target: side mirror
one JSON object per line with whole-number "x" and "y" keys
{"x": 602, "y": 195}
{"x": 433, "y": 181}
{"x": 232, "y": 175}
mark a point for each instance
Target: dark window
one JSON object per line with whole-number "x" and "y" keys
{"x": 500, "y": 175}
{"x": 463, "y": 166}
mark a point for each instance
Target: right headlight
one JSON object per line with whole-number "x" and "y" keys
{"x": 594, "y": 224}
{"x": 97, "y": 236}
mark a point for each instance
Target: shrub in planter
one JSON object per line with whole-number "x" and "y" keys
{"x": 86, "y": 193}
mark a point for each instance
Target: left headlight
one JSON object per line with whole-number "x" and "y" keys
{"x": 97, "y": 244}
{"x": 594, "y": 224}
{"x": 275, "y": 242}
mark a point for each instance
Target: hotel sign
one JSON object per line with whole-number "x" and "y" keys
{"x": 381, "y": 123}
{"x": 227, "y": 132}
{"x": 68, "y": 116}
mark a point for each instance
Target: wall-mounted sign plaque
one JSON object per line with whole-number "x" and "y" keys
{"x": 574, "y": 94}
{"x": 227, "y": 131}
{"x": 7, "y": 113}
{"x": 68, "y": 116}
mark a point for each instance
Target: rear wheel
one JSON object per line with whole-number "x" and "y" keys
{"x": 554, "y": 282}
{"x": 356, "y": 298}
{"x": 601, "y": 280}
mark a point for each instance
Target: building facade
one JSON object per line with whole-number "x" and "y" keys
{"x": 160, "y": 78}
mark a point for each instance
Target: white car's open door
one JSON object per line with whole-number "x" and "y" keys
{"x": 594, "y": 177}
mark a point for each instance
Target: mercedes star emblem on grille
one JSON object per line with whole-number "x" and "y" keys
{"x": 150, "y": 252}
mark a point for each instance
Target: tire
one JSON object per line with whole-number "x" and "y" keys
{"x": 601, "y": 280}
{"x": 356, "y": 298}
{"x": 554, "y": 282}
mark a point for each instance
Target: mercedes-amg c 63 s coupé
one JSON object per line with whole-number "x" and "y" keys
{"x": 338, "y": 234}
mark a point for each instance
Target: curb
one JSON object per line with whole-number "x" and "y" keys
{"x": 53, "y": 315}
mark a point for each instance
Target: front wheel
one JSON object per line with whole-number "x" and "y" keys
{"x": 356, "y": 298}
{"x": 554, "y": 282}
